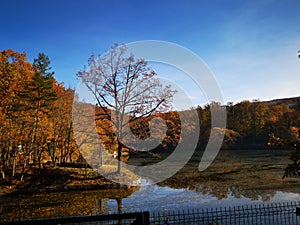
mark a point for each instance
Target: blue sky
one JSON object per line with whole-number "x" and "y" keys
{"x": 250, "y": 46}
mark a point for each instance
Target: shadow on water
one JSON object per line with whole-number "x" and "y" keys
{"x": 235, "y": 177}
{"x": 61, "y": 204}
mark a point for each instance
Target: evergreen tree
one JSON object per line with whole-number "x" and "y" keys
{"x": 39, "y": 96}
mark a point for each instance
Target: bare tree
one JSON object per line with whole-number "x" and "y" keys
{"x": 126, "y": 89}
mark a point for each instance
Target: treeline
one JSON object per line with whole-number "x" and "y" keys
{"x": 35, "y": 115}
{"x": 36, "y": 120}
{"x": 250, "y": 124}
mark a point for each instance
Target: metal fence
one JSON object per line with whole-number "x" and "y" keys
{"x": 137, "y": 218}
{"x": 287, "y": 213}
{"x": 263, "y": 214}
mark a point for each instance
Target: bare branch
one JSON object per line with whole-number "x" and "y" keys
{"x": 149, "y": 112}
{"x": 123, "y": 87}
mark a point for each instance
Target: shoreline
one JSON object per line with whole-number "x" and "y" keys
{"x": 59, "y": 179}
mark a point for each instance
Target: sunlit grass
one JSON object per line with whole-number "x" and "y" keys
{"x": 125, "y": 176}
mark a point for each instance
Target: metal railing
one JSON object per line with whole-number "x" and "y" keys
{"x": 286, "y": 213}
{"x": 136, "y": 218}
{"x": 263, "y": 214}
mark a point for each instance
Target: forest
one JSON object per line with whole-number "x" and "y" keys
{"x": 36, "y": 120}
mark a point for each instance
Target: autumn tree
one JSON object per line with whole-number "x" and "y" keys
{"x": 288, "y": 119}
{"x": 126, "y": 89}
{"x": 14, "y": 73}
{"x": 35, "y": 115}
{"x": 60, "y": 142}
{"x": 40, "y": 95}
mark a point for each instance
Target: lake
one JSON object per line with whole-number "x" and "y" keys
{"x": 239, "y": 181}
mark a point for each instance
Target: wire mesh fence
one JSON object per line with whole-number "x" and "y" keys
{"x": 287, "y": 213}
{"x": 263, "y": 214}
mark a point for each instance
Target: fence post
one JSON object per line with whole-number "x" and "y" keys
{"x": 143, "y": 218}
{"x": 146, "y": 218}
{"x": 298, "y": 211}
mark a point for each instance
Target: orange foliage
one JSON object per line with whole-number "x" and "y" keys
{"x": 23, "y": 140}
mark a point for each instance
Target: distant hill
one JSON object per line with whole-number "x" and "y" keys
{"x": 289, "y": 101}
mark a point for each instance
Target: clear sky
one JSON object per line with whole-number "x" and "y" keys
{"x": 251, "y": 46}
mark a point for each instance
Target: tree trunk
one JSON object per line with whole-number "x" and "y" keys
{"x": 119, "y": 157}
{"x": 13, "y": 168}
{"x": 23, "y": 170}
{"x": 2, "y": 174}
{"x": 120, "y": 209}
{"x": 10, "y": 148}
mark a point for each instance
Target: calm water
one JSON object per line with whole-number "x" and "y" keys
{"x": 236, "y": 178}
{"x": 156, "y": 198}
{"x": 144, "y": 198}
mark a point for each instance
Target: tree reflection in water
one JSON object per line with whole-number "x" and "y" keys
{"x": 253, "y": 174}
{"x": 236, "y": 175}
{"x": 61, "y": 204}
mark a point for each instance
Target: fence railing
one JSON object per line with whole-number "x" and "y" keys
{"x": 137, "y": 218}
{"x": 263, "y": 214}
{"x": 287, "y": 213}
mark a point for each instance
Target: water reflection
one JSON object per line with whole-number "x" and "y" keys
{"x": 255, "y": 174}
{"x": 164, "y": 198}
{"x": 60, "y": 204}
{"x": 233, "y": 179}
{"x": 144, "y": 198}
